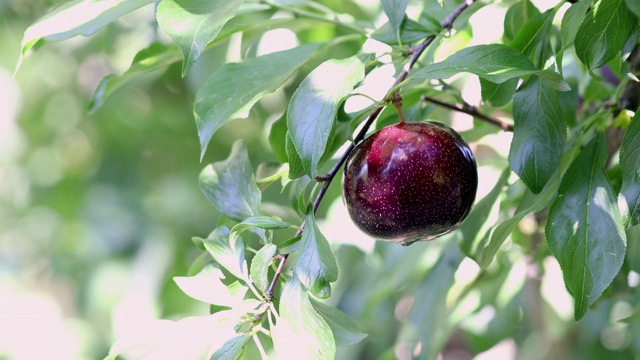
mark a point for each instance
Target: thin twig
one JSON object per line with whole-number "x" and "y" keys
{"x": 415, "y": 52}
{"x": 470, "y": 110}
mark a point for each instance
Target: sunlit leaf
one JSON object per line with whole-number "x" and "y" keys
{"x": 196, "y": 337}
{"x": 539, "y": 133}
{"x": 300, "y": 332}
{"x": 80, "y": 17}
{"x": 316, "y": 266}
{"x": 345, "y": 331}
{"x": 603, "y": 32}
{"x": 312, "y": 111}
{"x": 231, "y": 186}
{"x": 192, "y": 24}
{"x": 496, "y": 63}
{"x": 206, "y": 286}
{"x": 229, "y": 257}
{"x": 234, "y": 88}
{"x": 260, "y": 266}
{"x": 629, "y": 197}
{"x": 584, "y": 230}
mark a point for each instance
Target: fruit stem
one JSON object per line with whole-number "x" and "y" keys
{"x": 417, "y": 51}
{"x": 396, "y": 100}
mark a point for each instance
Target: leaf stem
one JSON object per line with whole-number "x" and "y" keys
{"x": 263, "y": 353}
{"x": 416, "y": 52}
{"x": 470, "y": 110}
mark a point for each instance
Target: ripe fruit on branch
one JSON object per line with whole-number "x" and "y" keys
{"x": 410, "y": 182}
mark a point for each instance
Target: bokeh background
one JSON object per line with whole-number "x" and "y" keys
{"x": 97, "y": 210}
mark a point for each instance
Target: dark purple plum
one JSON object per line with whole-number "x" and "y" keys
{"x": 410, "y": 182}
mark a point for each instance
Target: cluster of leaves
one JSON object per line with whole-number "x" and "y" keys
{"x": 560, "y": 158}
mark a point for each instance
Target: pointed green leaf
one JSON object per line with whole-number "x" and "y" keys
{"x": 260, "y": 266}
{"x": 533, "y": 39}
{"x": 206, "y": 286}
{"x": 395, "y": 10}
{"x": 231, "y": 186}
{"x": 571, "y": 21}
{"x": 192, "y": 24}
{"x": 80, "y": 17}
{"x": 410, "y": 31}
{"x": 496, "y": 63}
{"x": 517, "y": 16}
{"x": 233, "y": 89}
{"x": 316, "y": 266}
{"x": 539, "y": 133}
{"x": 345, "y": 331}
{"x": 629, "y": 197}
{"x": 313, "y": 107}
{"x": 300, "y": 332}
{"x": 296, "y": 170}
{"x": 232, "y": 348}
{"x": 603, "y": 32}
{"x": 229, "y": 257}
{"x": 472, "y": 229}
{"x": 584, "y": 230}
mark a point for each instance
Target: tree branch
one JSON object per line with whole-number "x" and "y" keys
{"x": 415, "y": 52}
{"x": 470, "y": 110}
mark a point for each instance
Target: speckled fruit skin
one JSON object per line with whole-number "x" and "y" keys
{"x": 410, "y": 182}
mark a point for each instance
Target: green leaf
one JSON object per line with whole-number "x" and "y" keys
{"x": 192, "y": 24}
{"x": 571, "y": 22}
{"x": 539, "y": 133}
{"x": 395, "y": 10}
{"x": 300, "y": 332}
{"x": 262, "y": 222}
{"x": 296, "y": 169}
{"x": 496, "y": 63}
{"x": 260, "y": 266}
{"x": 313, "y": 107}
{"x": 410, "y": 31}
{"x": 629, "y": 197}
{"x": 278, "y": 138}
{"x": 234, "y": 88}
{"x": 603, "y": 32}
{"x": 584, "y": 230}
{"x": 429, "y": 309}
{"x": 634, "y": 6}
{"x": 232, "y": 348}
{"x": 159, "y": 56}
{"x": 498, "y": 94}
{"x": 80, "y": 17}
{"x": 529, "y": 204}
{"x": 229, "y": 257}
{"x": 316, "y": 266}
{"x": 517, "y": 15}
{"x": 345, "y": 331}
{"x": 533, "y": 39}
{"x": 471, "y": 231}
{"x": 230, "y": 185}
{"x": 207, "y": 286}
